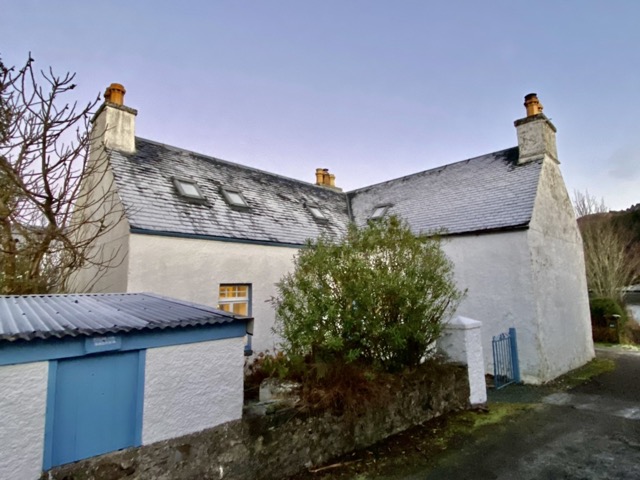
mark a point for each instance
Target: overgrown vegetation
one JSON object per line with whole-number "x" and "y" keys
{"x": 357, "y": 310}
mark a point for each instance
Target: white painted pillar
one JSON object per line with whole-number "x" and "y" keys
{"x": 461, "y": 342}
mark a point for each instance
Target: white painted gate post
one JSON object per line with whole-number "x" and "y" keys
{"x": 461, "y": 341}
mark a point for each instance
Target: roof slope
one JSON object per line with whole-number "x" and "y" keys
{"x": 483, "y": 193}
{"x": 277, "y": 212}
{"x": 42, "y": 316}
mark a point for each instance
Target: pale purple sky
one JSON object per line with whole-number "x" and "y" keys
{"x": 370, "y": 89}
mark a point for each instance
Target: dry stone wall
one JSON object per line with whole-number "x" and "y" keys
{"x": 283, "y": 443}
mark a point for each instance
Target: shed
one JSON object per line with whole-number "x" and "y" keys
{"x": 86, "y": 374}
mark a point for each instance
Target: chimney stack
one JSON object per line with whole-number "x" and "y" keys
{"x": 536, "y": 133}
{"x": 114, "y": 123}
{"x": 326, "y": 179}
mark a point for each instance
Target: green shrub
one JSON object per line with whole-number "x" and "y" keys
{"x": 377, "y": 299}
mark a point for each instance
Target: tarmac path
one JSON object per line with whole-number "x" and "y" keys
{"x": 589, "y": 433}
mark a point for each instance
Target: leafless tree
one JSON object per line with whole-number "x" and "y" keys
{"x": 608, "y": 249}
{"x": 50, "y": 218}
{"x": 587, "y": 204}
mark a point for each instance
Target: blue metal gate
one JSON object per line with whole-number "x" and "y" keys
{"x": 506, "y": 368}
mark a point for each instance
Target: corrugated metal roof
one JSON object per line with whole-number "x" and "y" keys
{"x": 42, "y": 316}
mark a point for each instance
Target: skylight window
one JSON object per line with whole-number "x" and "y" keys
{"x": 379, "y": 212}
{"x": 234, "y": 198}
{"x": 188, "y": 189}
{"x": 316, "y": 212}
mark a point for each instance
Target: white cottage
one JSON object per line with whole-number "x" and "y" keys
{"x": 210, "y": 231}
{"x": 83, "y": 375}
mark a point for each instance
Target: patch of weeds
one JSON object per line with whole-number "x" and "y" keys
{"x": 497, "y": 413}
{"x": 581, "y": 375}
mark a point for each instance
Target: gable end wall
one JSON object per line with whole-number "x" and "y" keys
{"x": 495, "y": 268}
{"x": 559, "y": 279}
{"x": 112, "y": 245}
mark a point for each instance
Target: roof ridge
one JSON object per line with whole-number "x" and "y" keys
{"x": 431, "y": 169}
{"x": 72, "y": 294}
{"x": 235, "y": 164}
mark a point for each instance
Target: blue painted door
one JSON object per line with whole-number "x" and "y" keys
{"x": 95, "y": 407}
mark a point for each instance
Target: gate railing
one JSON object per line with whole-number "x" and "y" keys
{"x": 506, "y": 368}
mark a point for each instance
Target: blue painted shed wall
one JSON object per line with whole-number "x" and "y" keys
{"x": 95, "y": 407}
{"x": 69, "y": 393}
{"x": 21, "y": 351}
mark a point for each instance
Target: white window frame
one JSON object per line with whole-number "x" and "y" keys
{"x": 235, "y": 300}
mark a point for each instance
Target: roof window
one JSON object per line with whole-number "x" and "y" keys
{"x": 188, "y": 189}
{"x": 234, "y": 198}
{"x": 379, "y": 212}
{"x": 316, "y": 213}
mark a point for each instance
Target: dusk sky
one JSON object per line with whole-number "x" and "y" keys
{"x": 372, "y": 90}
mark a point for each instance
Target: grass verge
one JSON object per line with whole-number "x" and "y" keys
{"x": 581, "y": 375}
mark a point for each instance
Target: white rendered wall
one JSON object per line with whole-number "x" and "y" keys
{"x": 495, "y": 268}
{"x": 114, "y": 279}
{"x": 192, "y": 270}
{"x": 191, "y": 387}
{"x": 112, "y": 248}
{"x": 560, "y": 283}
{"x": 116, "y": 127}
{"x": 536, "y": 138}
{"x": 113, "y": 127}
{"x": 461, "y": 341}
{"x": 23, "y": 401}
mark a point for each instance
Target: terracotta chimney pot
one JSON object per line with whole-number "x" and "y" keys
{"x": 115, "y": 94}
{"x": 533, "y": 105}
{"x": 325, "y": 176}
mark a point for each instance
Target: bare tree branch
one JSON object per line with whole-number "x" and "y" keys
{"x": 55, "y": 198}
{"x": 586, "y": 204}
{"x": 609, "y": 255}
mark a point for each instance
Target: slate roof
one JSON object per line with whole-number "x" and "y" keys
{"x": 484, "y": 193}
{"x": 277, "y": 204}
{"x": 480, "y": 194}
{"x": 28, "y": 317}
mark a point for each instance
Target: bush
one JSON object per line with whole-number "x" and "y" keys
{"x": 378, "y": 299}
{"x": 602, "y": 312}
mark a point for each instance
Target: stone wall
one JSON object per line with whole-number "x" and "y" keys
{"x": 283, "y": 443}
